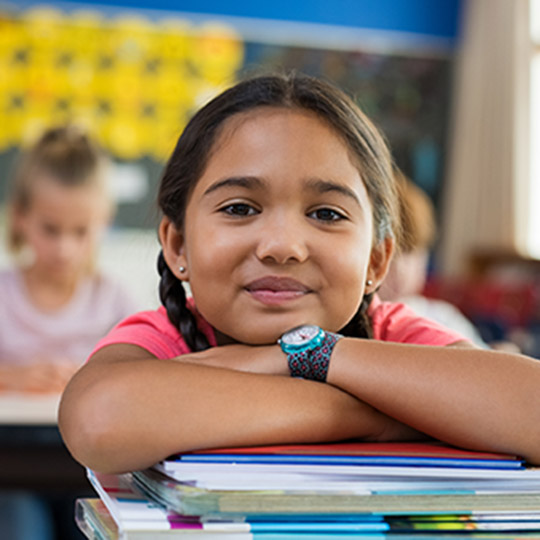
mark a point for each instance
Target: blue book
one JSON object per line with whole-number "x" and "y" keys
{"x": 429, "y": 454}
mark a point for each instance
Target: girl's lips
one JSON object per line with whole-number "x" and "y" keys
{"x": 273, "y": 290}
{"x": 274, "y": 298}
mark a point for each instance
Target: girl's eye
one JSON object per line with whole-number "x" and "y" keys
{"x": 326, "y": 214}
{"x": 81, "y": 232}
{"x": 50, "y": 230}
{"x": 239, "y": 209}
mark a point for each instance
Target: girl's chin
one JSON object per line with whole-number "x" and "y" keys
{"x": 248, "y": 339}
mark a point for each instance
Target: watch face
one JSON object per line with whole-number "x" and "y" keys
{"x": 300, "y": 335}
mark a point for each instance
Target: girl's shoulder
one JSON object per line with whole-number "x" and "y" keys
{"x": 9, "y": 276}
{"x": 106, "y": 283}
{"x": 110, "y": 290}
{"x": 153, "y": 331}
{"x": 396, "y": 322}
{"x": 150, "y": 330}
{"x": 12, "y": 290}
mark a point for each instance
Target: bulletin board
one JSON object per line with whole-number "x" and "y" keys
{"x": 133, "y": 81}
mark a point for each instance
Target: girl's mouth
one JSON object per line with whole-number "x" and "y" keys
{"x": 275, "y": 290}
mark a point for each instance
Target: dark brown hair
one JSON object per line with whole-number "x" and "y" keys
{"x": 293, "y": 91}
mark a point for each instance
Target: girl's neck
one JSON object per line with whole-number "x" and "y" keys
{"x": 222, "y": 339}
{"x": 47, "y": 292}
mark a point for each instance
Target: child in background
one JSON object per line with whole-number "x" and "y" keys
{"x": 407, "y": 275}
{"x": 54, "y": 304}
{"x": 279, "y": 209}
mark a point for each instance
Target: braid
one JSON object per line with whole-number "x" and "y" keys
{"x": 360, "y": 325}
{"x": 173, "y": 297}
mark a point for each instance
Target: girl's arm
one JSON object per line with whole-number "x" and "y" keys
{"x": 470, "y": 397}
{"x": 126, "y": 410}
{"x": 478, "y": 399}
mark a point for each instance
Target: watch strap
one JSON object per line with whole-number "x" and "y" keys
{"x": 314, "y": 363}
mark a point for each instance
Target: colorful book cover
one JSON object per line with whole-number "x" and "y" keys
{"x": 432, "y": 454}
{"x": 189, "y": 499}
{"x": 95, "y": 521}
{"x": 413, "y": 449}
{"x": 297, "y": 491}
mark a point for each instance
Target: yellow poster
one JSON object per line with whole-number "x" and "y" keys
{"x": 131, "y": 81}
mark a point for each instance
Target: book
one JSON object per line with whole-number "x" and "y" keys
{"x": 135, "y": 516}
{"x": 189, "y": 499}
{"x": 95, "y": 521}
{"x": 132, "y": 513}
{"x": 318, "y": 492}
{"x": 343, "y": 478}
{"x": 359, "y": 468}
{"x": 432, "y": 449}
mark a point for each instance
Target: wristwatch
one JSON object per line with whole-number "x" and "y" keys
{"x": 308, "y": 349}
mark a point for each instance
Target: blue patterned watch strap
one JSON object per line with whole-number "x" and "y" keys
{"x": 314, "y": 364}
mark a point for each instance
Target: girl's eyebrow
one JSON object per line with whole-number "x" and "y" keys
{"x": 249, "y": 182}
{"x": 254, "y": 182}
{"x": 325, "y": 186}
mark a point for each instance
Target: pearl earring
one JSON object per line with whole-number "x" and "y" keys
{"x": 182, "y": 269}
{"x": 369, "y": 282}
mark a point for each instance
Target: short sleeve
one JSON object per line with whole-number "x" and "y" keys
{"x": 398, "y": 323}
{"x": 150, "y": 330}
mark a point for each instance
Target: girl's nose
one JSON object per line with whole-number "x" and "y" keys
{"x": 66, "y": 247}
{"x": 282, "y": 241}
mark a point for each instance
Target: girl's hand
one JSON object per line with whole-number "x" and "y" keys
{"x": 39, "y": 377}
{"x": 263, "y": 359}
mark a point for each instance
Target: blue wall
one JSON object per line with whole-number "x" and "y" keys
{"x": 437, "y": 18}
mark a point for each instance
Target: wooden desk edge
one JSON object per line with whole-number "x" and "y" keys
{"x": 18, "y": 408}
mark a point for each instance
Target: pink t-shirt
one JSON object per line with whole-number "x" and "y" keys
{"x": 29, "y": 335}
{"x": 153, "y": 331}
{"x": 399, "y": 323}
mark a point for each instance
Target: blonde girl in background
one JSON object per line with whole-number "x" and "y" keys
{"x": 54, "y": 302}
{"x": 279, "y": 209}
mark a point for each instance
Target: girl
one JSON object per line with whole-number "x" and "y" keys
{"x": 279, "y": 210}
{"x": 54, "y": 306}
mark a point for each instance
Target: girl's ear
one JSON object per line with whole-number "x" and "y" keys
{"x": 172, "y": 244}
{"x": 379, "y": 263}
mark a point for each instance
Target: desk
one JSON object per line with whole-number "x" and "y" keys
{"x": 32, "y": 454}
{"x": 17, "y": 408}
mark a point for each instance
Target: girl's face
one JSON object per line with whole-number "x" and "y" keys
{"x": 278, "y": 230}
{"x": 62, "y": 226}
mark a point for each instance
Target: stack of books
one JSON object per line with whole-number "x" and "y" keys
{"x": 318, "y": 492}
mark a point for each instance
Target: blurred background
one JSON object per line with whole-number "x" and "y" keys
{"x": 453, "y": 84}
{"x": 455, "y": 88}
{"x": 132, "y": 75}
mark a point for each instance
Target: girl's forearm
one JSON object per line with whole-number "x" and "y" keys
{"x": 128, "y": 415}
{"x": 468, "y": 397}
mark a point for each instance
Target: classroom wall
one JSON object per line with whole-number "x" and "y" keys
{"x": 389, "y": 41}
{"x": 439, "y": 19}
